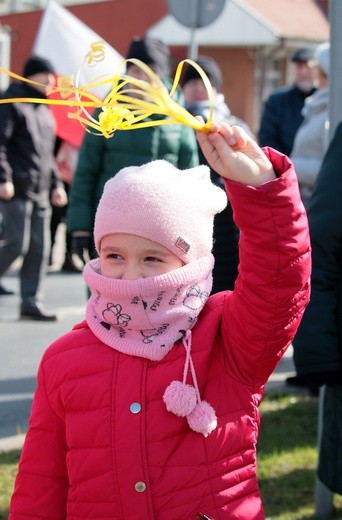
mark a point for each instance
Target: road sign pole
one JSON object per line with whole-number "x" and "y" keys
{"x": 194, "y": 12}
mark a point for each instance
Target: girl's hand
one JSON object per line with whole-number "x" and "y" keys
{"x": 59, "y": 197}
{"x": 233, "y": 154}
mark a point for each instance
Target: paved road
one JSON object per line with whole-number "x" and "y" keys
{"x": 23, "y": 342}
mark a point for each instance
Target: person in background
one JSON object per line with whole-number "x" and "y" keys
{"x": 66, "y": 159}
{"x": 311, "y": 140}
{"x": 29, "y": 183}
{"x": 309, "y": 147}
{"x": 318, "y": 341}
{"x": 149, "y": 408}
{"x": 196, "y": 101}
{"x": 100, "y": 158}
{"x": 282, "y": 111}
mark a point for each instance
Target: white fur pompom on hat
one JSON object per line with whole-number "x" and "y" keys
{"x": 172, "y": 207}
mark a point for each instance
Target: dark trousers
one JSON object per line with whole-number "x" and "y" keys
{"x": 26, "y": 235}
{"x": 58, "y": 217}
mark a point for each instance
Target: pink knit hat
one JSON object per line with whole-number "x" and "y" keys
{"x": 157, "y": 201}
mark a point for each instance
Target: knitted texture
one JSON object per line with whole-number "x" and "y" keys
{"x": 146, "y": 316}
{"x": 157, "y": 201}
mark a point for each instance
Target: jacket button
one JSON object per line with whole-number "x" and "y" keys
{"x": 140, "y": 487}
{"x": 135, "y": 407}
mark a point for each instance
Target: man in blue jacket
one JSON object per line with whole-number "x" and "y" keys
{"x": 281, "y": 116}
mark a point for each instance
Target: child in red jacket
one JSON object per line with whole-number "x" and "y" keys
{"x": 148, "y": 410}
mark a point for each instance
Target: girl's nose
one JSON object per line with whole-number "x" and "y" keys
{"x": 131, "y": 271}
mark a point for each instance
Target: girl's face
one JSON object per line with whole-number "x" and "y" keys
{"x": 129, "y": 257}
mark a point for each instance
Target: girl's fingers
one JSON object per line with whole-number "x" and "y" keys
{"x": 205, "y": 143}
{"x": 235, "y": 136}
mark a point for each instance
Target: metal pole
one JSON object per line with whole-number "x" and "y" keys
{"x": 324, "y": 498}
{"x": 194, "y": 14}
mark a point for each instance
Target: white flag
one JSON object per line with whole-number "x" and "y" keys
{"x": 65, "y": 40}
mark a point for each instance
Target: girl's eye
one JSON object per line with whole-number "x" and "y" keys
{"x": 152, "y": 259}
{"x": 115, "y": 256}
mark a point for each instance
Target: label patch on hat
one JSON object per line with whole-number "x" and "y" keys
{"x": 182, "y": 244}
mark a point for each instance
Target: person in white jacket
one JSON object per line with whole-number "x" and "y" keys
{"x": 311, "y": 140}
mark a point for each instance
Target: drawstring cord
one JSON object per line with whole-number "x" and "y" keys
{"x": 185, "y": 401}
{"x": 188, "y": 361}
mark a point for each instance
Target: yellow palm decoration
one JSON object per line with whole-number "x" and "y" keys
{"x": 130, "y": 102}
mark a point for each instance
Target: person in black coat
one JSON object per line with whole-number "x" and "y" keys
{"x": 226, "y": 233}
{"x": 318, "y": 342}
{"x": 281, "y": 115}
{"x": 29, "y": 183}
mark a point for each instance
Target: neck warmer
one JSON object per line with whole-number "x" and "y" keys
{"x": 146, "y": 316}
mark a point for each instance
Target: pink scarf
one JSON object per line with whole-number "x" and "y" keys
{"x": 146, "y": 316}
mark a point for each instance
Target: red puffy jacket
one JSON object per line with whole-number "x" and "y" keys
{"x": 101, "y": 444}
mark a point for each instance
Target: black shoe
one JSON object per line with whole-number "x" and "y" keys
{"x": 37, "y": 313}
{"x": 5, "y": 292}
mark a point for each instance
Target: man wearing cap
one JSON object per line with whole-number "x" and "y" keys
{"x": 312, "y": 138}
{"x": 281, "y": 115}
{"x": 28, "y": 182}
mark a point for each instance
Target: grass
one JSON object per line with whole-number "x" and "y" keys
{"x": 287, "y": 459}
{"x": 8, "y": 469}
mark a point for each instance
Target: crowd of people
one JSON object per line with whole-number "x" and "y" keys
{"x": 188, "y": 298}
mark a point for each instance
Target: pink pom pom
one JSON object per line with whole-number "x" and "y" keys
{"x": 203, "y": 419}
{"x": 180, "y": 398}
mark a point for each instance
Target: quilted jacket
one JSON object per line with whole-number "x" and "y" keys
{"x": 101, "y": 444}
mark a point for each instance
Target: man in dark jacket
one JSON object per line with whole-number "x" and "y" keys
{"x": 281, "y": 116}
{"x": 28, "y": 176}
{"x": 318, "y": 342}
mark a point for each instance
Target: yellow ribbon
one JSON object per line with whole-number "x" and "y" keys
{"x": 130, "y": 102}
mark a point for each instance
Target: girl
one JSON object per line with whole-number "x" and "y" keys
{"x": 149, "y": 408}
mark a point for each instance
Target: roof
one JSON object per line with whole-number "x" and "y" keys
{"x": 251, "y": 23}
{"x": 297, "y": 19}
